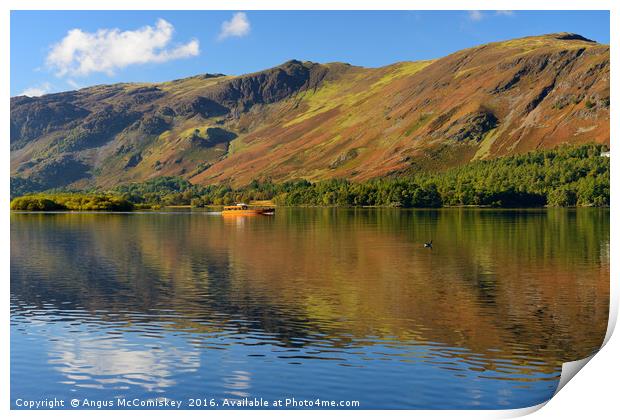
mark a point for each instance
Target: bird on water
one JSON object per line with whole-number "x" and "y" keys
{"x": 428, "y": 244}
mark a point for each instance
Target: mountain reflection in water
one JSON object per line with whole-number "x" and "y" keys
{"x": 311, "y": 303}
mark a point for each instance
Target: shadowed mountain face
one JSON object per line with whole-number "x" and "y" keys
{"x": 320, "y": 121}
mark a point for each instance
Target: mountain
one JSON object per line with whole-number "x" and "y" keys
{"x": 319, "y": 121}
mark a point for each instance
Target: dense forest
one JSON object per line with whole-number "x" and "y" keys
{"x": 561, "y": 177}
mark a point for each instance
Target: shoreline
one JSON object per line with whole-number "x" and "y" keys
{"x": 217, "y": 209}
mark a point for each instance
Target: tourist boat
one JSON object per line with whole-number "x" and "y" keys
{"x": 244, "y": 210}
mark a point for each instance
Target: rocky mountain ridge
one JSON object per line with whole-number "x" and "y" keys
{"x": 319, "y": 121}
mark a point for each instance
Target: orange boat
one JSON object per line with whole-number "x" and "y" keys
{"x": 245, "y": 210}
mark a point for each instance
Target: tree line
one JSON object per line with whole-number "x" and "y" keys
{"x": 71, "y": 201}
{"x": 561, "y": 177}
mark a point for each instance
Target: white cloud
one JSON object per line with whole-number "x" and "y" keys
{"x": 112, "y": 363}
{"x": 74, "y": 84}
{"x": 238, "y": 25}
{"x": 505, "y": 12}
{"x": 39, "y": 90}
{"x": 81, "y": 53}
{"x": 475, "y": 15}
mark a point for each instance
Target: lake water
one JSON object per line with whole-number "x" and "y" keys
{"x": 330, "y": 304}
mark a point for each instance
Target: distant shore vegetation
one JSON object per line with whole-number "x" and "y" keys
{"x": 71, "y": 201}
{"x": 566, "y": 176}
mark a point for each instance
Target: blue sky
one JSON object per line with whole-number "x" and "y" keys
{"x": 133, "y": 46}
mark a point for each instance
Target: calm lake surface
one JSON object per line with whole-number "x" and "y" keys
{"x": 336, "y": 304}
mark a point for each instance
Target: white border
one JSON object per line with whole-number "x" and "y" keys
{"x": 592, "y": 394}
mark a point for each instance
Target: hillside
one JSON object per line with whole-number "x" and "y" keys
{"x": 319, "y": 121}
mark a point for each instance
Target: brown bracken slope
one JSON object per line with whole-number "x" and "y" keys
{"x": 319, "y": 121}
